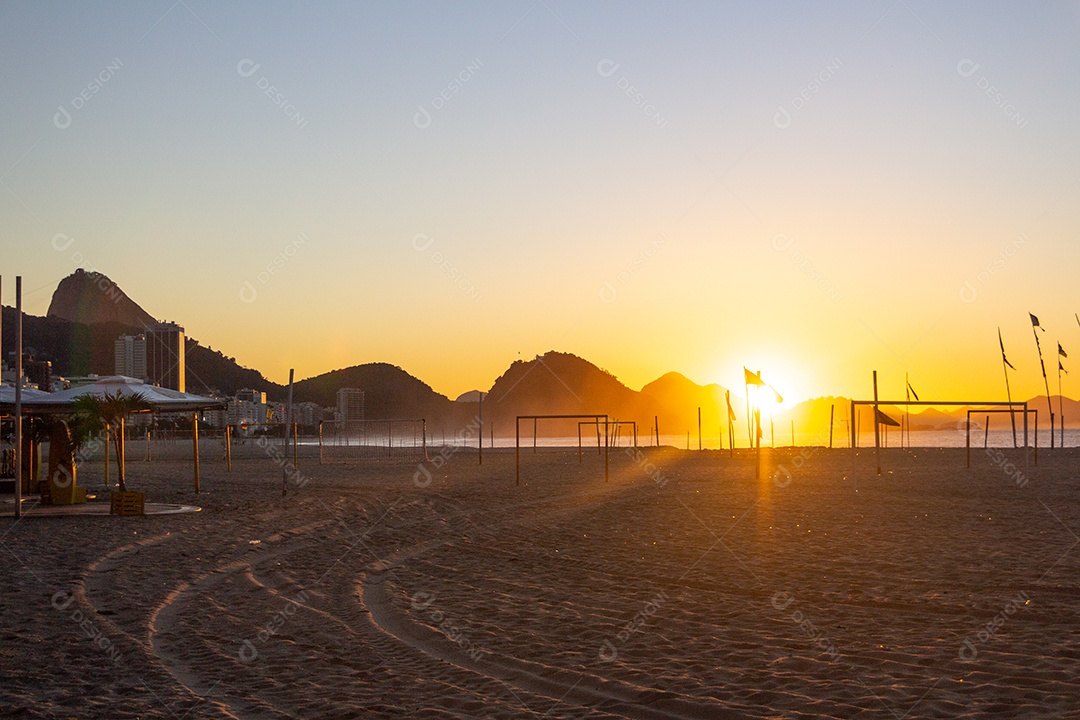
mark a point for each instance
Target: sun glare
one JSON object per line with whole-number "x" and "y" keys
{"x": 765, "y": 399}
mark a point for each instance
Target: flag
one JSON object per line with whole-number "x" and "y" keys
{"x": 779, "y": 397}
{"x": 1035, "y": 322}
{"x": 730, "y": 410}
{"x": 1061, "y": 368}
{"x": 1061, "y": 352}
{"x": 1002, "y": 344}
{"x": 884, "y": 419}
{"x": 913, "y": 393}
{"x": 752, "y": 378}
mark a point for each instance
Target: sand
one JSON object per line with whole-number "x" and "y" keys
{"x": 683, "y": 588}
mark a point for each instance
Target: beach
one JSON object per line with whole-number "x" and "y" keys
{"x": 683, "y": 587}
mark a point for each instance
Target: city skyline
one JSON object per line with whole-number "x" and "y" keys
{"x": 813, "y": 192}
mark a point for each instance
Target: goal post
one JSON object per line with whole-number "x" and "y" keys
{"x": 598, "y": 419}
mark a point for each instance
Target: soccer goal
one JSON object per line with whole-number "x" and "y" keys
{"x": 344, "y": 441}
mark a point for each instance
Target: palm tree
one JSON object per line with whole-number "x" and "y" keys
{"x": 109, "y": 413}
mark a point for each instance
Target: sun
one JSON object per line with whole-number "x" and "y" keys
{"x": 765, "y": 399}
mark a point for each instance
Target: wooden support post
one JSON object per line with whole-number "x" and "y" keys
{"x": 579, "y": 443}
{"x": 699, "y": 428}
{"x": 656, "y": 426}
{"x": 424, "y": 426}
{"x": 986, "y": 434}
{"x": 147, "y": 446}
{"x": 295, "y": 439}
{"x": 517, "y": 451}
{"x": 320, "y": 443}
{"x": 228, "y": 447}
{"x": 534, "y": 435}
{"x": 480, "y": 439}
{"x": 105, "y": 435}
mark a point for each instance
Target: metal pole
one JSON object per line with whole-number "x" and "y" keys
{"x": 480, "y": 439}
{"x": 1026, "y": 450}
{"x": 832, "y": 418}
{"x": 517, "y": 450}
{"x": 534, "y": 435}
{"x": 579, "y": 443}
{"x": 606, "y": 444}
{"x": 194, "y": 446}
{"x": 699, "y": 428}
{"x": 757, "y": 433}
{"x": 18, "y": 397}
{"x": 285, "y": 454}
{"x": 228, "y": 447}
{"x": 967, "y": 437}
{"x": 877, "y": 427}
{"x": 854, "y": 440}
{"x": 986, "y": 435}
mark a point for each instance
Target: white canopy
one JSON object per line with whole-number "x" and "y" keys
{"x": 160, "y": 399}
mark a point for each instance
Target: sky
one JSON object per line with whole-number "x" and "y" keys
{"x": 815, "y": 190}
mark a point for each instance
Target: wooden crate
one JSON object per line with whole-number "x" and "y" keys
{"x": 127, "y": 503}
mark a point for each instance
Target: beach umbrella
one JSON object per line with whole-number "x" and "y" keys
{"x": 158, "y": 399}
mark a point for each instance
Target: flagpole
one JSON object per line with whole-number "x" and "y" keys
{"x": 1046, "y": 383}
{"x": 749, "y": 418}
{"x": 1008, "y": 392}
{"x": 1061, "y": 409}
{"x": 730, "y": 425}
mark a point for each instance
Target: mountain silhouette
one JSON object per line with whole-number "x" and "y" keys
{"x": 91, "y": 298}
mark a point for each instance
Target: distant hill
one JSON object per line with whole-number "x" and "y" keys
{"x": 676, "y": 400}
{"x": 212, "y": 372}
{"x": 91, "y": 298}
{"x": 558, "y": 384}
{"x": 389, "y": 393}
